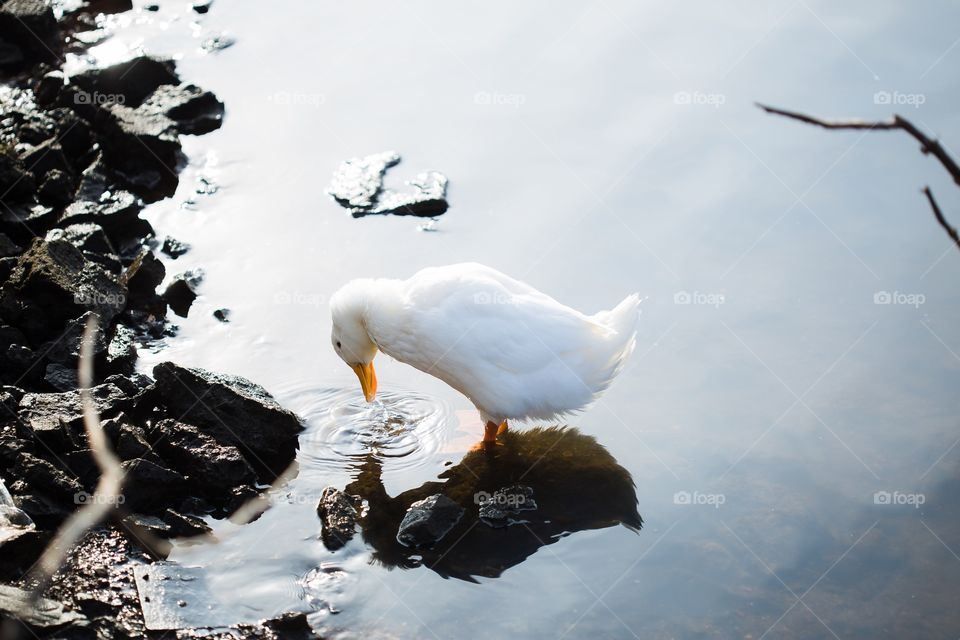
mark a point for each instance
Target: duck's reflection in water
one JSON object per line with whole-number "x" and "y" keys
{"x": 576, "y": 484}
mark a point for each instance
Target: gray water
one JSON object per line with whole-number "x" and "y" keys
{"x": 793, "y": 440}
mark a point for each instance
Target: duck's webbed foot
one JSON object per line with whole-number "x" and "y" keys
{"x": 492, "y": 430}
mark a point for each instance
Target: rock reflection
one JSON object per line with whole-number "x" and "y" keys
{"x": 576, "y": 485}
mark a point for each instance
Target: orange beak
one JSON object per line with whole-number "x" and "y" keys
{"x": 368, "y": 379}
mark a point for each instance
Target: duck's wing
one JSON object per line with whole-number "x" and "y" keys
{"x": 501, "y": 341}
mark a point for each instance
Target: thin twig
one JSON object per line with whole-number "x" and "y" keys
{"x": 951, "y": 231}
{"x": 928, "y": 145}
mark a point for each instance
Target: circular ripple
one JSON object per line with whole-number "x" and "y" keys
{"x": 403, "y": 429}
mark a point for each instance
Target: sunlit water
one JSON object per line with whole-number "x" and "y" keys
{"x": 789, "y": 416}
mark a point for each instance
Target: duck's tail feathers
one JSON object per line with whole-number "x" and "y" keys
{"x": 622, "y": 322}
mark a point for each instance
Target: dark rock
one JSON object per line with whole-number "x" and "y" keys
{"x": 135, "y": 385}
{"x": 44, "y": 158}
{"x": 150, "y": 487}
{"x": 81, "y": 465}
{"x": 87, "y": 236}
{"x": 46, "y": 478}
{"x": 202, "y": 6}
{"x": 143, "y": 276}
{"x": 31, "y": 26}
{"x": 60, "y": 377}
{"x": 231, "y": 409}
{"x": 25, "y": 221}
{"x": 223, "y": 315}
{"x": 122, "y": 351}
{"x": 65, "y": 348}
{"x": 151, "y": 7}
{"x": 426, "y": 199}
{"x": 55, "y": 277}
{"x": 53, "y": 418}
{"x": 212, "y": 469}
{"x": 16, "y": 183}
{"x": 338, "y": 515}
{"x": 179, "y": 294}
{"x": 174, "y": 248}
{"x": 152, "y": 524}
{"x": 129, "y": 82}
{"x": 42, "y": 509}
{"x": 117, "y": 212}
{"x": 6, "y": 267}
{"x": 132, "y": 444}
{"x": 501, "y": 509}
{"x": 291, "y": 626}
{"x": 184, "y": 525}
{"x": 47, "y": 89}
{"x": 239, "y": 496}
{"x": 428, "y": 520}
{"x": 8, "y": 248}
{"x": 194, "y": 110}
{"x": 144, "y": 147}
{"x": 47, "y": 613}
{"x": 57, "y": 188}
{"x": 357, "y": 181}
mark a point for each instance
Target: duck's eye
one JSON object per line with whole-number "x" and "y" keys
{"x": 338, "y": 344}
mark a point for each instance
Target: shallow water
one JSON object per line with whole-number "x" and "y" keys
{"x": 780, "y": 421}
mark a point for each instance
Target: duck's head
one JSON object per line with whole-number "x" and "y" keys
{"x": 350, "y": 338}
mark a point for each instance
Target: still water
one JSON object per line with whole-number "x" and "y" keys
{"x": 789, "y": 416}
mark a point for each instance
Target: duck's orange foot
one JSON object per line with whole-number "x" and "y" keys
{"x": 492, "y": 430}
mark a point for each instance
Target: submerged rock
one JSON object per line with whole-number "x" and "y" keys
{"x": 338, "y": 515}
{"x": 499, "y": 509}
{"x": 357, "y": 181}
{"x": 231, "y": 409}
{"x": 180, "y": 294}
{"x": 357, "y": 184}
{"x": 427, "y": 199}
{"x": 427, "y": 521}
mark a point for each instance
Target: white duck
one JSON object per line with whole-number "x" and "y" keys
{"x": 515, "y": 352}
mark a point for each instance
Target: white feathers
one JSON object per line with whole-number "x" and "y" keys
{"x": 513, "y": 351}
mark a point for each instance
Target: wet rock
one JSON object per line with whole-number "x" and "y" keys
{"x": 151, "y": 524}
{"x": 501, "y": 509}
{"x": 116, "y": 210}
{"x": 13, "y": 521}
{"x": 47, "y": 89}
{"x": 357, "y": 181}
{"x": 55, "y": 277}
{"x": 45, "y": 157}
{"x": 122, "y": 351}
{"x": 44, "y": 477}
{"x": 217, "y": 43}
{"x": 30, "y": 27}
{"x": 8, "y": 247}
{"x": 81, "y": 465}
{"x": 427, "y": 198}
{"x": 223, "y": 315}
{"x": 53, "y": 418}
{"x": 129, "y": 82}
{"x": 22, "y": 222}
{"x": 231, "y": 409}
{"x": 179, "y": 295}
{"x": 338, "y": 515}
{"x": 92, "y": 241}
{"x": 132, "y": 444}
{"x": 174, "y": 248}
{"x": 46, "y": 614}
{"x": 57, "y": 188}
{"x": 64, "y": 349}
{"x": 427, "y": 521}
{"x": 60, "y": 377}
{"x": 16, "y": 183}
{"x": 144, "y": 147}
{"x": 202, "y": 6}
{"x": 150, "y": 487}
{"x": 212, "y": 469}
{"x": 291, "y": 626}
{"x": 183, "y": 525}
{"x": 194, "y": 110}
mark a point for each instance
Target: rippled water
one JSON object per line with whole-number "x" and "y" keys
{"x": 781, "y": 423}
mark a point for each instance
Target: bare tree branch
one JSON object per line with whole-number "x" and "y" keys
{"x": 951, "y": 231}
{"x": 928, "y": 145}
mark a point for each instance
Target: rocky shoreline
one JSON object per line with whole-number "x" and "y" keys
{"x": 80, "y": 156}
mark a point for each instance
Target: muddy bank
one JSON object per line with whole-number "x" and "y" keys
{"x": 80, "y": 156}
